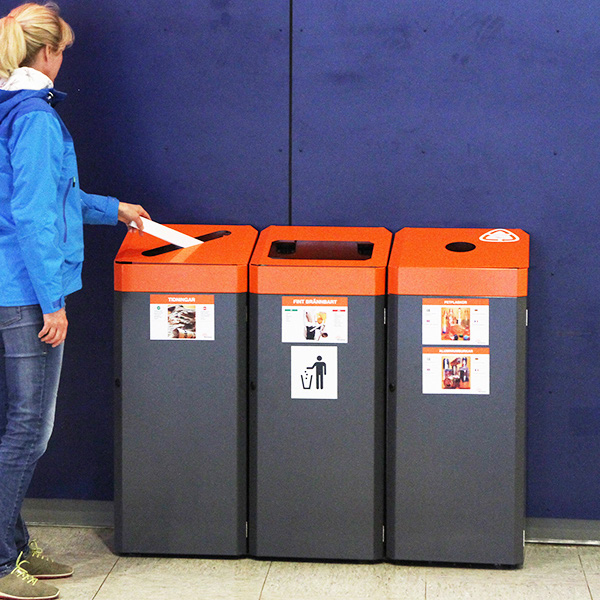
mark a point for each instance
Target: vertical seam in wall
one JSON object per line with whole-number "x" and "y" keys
{"x": 290, "y": 126}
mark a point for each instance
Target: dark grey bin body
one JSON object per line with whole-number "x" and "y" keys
{"x": 317, "y": 466}
{"x": 456, "y": 463}
{"x": 181, "y": 461}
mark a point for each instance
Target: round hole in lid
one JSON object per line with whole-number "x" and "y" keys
{"x": 460, "y": 247}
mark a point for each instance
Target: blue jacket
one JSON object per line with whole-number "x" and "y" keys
{"x": 42, "y": 209}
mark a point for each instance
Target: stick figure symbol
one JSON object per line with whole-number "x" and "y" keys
{"x": 321, "y": 370}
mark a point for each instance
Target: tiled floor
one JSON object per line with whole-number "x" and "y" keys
{"x": 550, "y": 573}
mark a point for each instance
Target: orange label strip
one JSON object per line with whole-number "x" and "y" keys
{"x": 312, "y": 301}
{"x": 456, "y": 301}
{"x": 181, "y": 299}
{"x": 451, "y": 350}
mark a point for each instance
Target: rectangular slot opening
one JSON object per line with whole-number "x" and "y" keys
{"x": 320, "y": 250}
{"x": 172, "y": 247}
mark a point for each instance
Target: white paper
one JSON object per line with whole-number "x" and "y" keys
{"x": 167, "y": 234}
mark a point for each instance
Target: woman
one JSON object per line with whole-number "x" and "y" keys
{"x": 42, "y": 211}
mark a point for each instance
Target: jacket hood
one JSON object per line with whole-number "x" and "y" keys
{"x": 25, "y": 83}
{"x": 26, "y": 78}
{"x": 10, "y": 100}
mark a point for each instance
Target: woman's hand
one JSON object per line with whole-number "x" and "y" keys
{"x": 54, "y": 331}
{"x": 132, "y": 212}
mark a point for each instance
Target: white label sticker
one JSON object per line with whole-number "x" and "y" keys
{"x": 456, "y": 371}
{"x": 456, "y": 321}
{"x": 182, "y": 317}
{"x": 314, "y": 372}
{"x": 314, "y": 319}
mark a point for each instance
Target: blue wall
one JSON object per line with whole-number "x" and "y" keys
{"x": 456, "y": 114}
{"x": 471, "y": 114}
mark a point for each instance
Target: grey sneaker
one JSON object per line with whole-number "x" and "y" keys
{"x": 20, "y": 585}
{"x": 42, "y": 567}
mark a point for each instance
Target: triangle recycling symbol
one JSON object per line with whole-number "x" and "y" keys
{"x": 499, "y": 235}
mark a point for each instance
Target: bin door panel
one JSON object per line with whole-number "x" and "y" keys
{"x": 456, "y": 461}
{"x": 181, "y": 417}
{"x": 316, "y": 464}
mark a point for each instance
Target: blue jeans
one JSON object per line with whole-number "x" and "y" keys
{"x": 29, "y": 374}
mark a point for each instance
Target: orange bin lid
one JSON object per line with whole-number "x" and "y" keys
{"x": 327, "y": 261}
{"x": 459, "y": 262}
{"x": 216, "y": 266}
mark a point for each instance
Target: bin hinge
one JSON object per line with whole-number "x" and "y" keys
{"x": 385, "y": 316}
{"x": 526, "y": 317}
{"x": 383, "y": 533}
{"x": 246, "y": 529}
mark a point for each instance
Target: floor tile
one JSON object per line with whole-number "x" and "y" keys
{"x": 556, "y": 564}
{"x": 594, "y": 586}
{"x": 590, "y": 559}
{"x": 134, "y": 578}
{"x": 73, "y": 540}
{"x": 319, "y": 581}
{"x": 87, "y": 550}
{"x": 540, "y": 590}
{"x": 550, "y": 573}
{"x": 90, "y": 574}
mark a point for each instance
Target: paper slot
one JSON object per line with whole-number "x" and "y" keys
{"x": 167, "y": 234}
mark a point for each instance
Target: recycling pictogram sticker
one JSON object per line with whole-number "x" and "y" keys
{"x": 499, "y": 235}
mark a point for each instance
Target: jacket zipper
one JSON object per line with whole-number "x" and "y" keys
{"x": 71, "y": 184}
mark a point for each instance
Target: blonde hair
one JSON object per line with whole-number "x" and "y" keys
{"x": 26, "y": 30}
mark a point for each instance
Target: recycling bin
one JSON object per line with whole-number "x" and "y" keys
{"x": 456, "y": 396}
{"x": 181, "y": 393}
{"x": 317, "y": 393}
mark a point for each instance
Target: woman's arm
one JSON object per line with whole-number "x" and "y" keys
{"x": 36, "y": 148}
{"x": 106, "y": 210}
